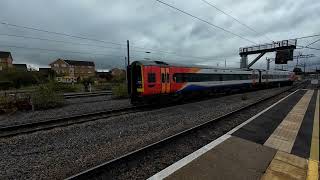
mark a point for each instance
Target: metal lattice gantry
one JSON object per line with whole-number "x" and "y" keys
{"x": 262, "y": 49}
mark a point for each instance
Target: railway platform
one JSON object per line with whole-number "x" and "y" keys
{"x": 281, "y": 142}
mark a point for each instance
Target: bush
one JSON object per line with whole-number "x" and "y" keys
{"x": 120, "y": 91}
{"x": 6, "y": 104}
{"x": 63, "y": 88}
{"x": 103, "y": 86}
{"x": 6, "y": 85}
{"x": 119, "y": 79}
{"x": 18, "y": 79}
{"x": 46, "y": 97}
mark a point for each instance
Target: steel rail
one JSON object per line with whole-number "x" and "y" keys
{"x": 65, "y": 95}
{"x": 71, "y": 96}
{"x": 13, "y": 130}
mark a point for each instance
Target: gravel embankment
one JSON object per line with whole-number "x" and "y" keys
{"x": 75, "y": 107}
{"x": 89, "y": 99}
{"x": 61, "y": 152}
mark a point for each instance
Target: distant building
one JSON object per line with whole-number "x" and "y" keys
{"x": 5, "y": 60}
{"x": 20, "y": 67}
{"x": 103, "y": 76}
{"x": 47, "y": 72}
{"x": 70, "y": 70}
{"x": 116, "y": 72}
{"x": 44, "y": 70}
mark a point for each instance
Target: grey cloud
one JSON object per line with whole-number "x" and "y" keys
{"x": 154, "y": 26}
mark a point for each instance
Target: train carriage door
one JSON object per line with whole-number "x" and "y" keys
{"x": 267, "y": 76}
{"x": 260, "y": 77}
{"x": 253, "y": 77}
{"x": 165, "y": 80}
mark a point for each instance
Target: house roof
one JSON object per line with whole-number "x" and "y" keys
{"x": 44, "y": 70}
{"x": 4, "y": 54}
{"x": 79, "y": 63}
{"x": 24, "y": 66}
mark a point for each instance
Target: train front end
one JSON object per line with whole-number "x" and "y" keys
{"x": 135, "y": 81}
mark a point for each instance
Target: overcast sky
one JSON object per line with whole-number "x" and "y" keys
{"x": 152, "y": 25}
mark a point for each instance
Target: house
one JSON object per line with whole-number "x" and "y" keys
{"x": 103, "y": 76}
{"x": 47, "y": 72}
{"x": 116, "y": 72}
{"x": 20, "y": 67}
{"x": 5, "y": 60}
{"x": 44, "y": 70}
{"x": 71, "y": 69}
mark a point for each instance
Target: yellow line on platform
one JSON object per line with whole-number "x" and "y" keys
{"x": 286, "y": 166}
{"x": 313, "y": 165}
{"x": 284, "y": 136}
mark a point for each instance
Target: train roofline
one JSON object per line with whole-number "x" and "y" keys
{"x": 162, "y": 63}
{"x": 157, "y": 63}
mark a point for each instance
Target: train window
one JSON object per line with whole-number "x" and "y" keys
{"x": 163, "y": 78}
{"x": 178, "y": 78}
{"x": 244, "y": 77}
{"x": 190, "y": 77}
{"x": 168, "y": 78}
{"x": 151, "y": 77}
{"x": 236, "y": 77}
{"x": 227, "y": 77}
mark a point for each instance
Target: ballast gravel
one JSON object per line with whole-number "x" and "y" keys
{"x": 89, "y": 99}
{"x": 76, "y": 106}
{"x": 62, "y": 152}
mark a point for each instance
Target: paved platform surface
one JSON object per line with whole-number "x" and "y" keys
{"x": 281, "y": 142}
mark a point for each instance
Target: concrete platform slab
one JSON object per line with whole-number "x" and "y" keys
{"x": 260, "y": 129}
{"x": 235, "y": 158}
{"x": 284, "y": 127}
{"x": 284, "y": 136}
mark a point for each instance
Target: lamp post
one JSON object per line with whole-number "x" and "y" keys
{"x": 128, "y": 53}
{"x": 147, "y": 52}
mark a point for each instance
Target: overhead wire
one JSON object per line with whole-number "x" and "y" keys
{"x": 71, "y": 35}
{"x": 119, "y": 44}
{"x": 59, "y": 33}
{"x": 58, "y": 41}
{"x": 313, "y": 42}
{"x": 308, "y": 36}
{"x": 205, "y": 21}
{"x": 56, "y": 50}
{"x": 85, "y": 38}
{"x": 235, "y": 19}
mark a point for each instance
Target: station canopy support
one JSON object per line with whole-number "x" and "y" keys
{"x": 262, "y": 49}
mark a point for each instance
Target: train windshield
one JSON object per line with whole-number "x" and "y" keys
{"x": 136, "y": 82}
{"x": 138, "y": 75}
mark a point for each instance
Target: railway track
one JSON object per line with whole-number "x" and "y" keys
{"x": 89, "y": 94}
{"x": 13, "y": 130}
{"x": 150, "y": 159}
{"x": 8, "y": 131}
{"x": 65, "y": 95}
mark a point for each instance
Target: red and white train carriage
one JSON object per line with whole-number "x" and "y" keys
{"x": 150, "y": 79}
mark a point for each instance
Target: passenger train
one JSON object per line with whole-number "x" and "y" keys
{"x": 149, "y": 80}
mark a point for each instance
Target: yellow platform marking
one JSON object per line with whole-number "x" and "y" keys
{"x": 284, "y": 136}
{"x": 286, "y": 166}
{"x": 313, "y": 171}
